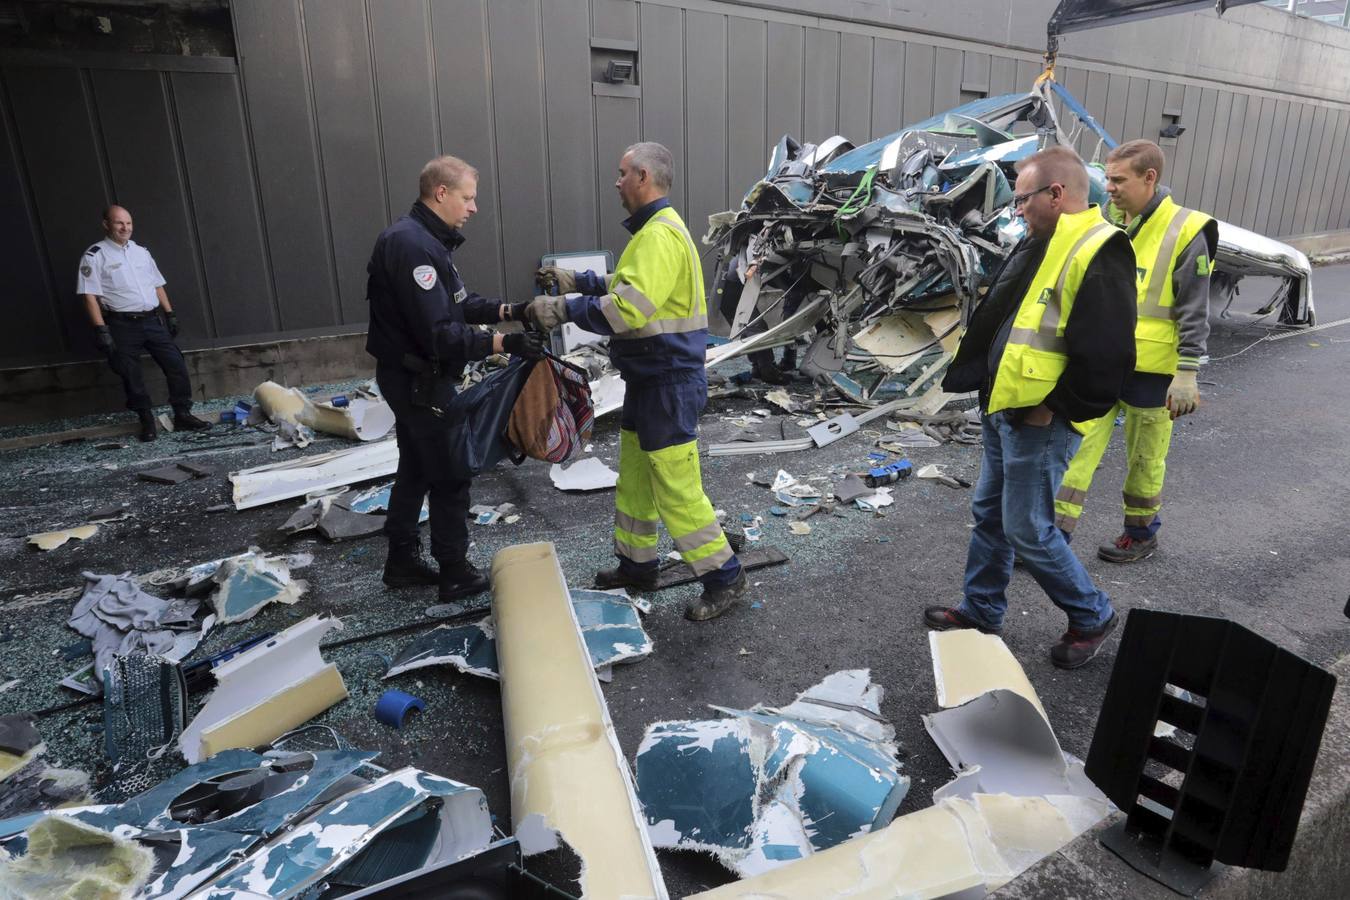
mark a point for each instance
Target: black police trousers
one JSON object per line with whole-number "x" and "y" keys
{"x": 423, "y": 469}
{"x": 131, "y": 338}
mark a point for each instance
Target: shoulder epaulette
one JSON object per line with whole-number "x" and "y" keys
{"x": 92, "y": 250}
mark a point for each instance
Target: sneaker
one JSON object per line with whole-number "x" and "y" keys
{"x": 1126, "y": 549}
{"x": 409, "y": 569}
{"x": 716, "y": 600}
{"x": 188, "y": 422}
{"x": 946, "y": 618}
{"x": 1076, "y": 647}
{"x": 619, "y": 577}
{"x": 148, "y": 430}
{"x": 463, "y": 580}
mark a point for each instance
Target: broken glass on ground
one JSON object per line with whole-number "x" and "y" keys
{"x": 766, "y": 786}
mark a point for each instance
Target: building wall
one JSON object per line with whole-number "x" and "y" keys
{"x": 260, "y": 184}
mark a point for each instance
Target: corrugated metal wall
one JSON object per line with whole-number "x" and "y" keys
{"x": 260, "y": 187}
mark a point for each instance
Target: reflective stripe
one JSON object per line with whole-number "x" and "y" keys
{"x": 610, "y": 310}
{"x": 1066, "y": 523}
{"x": 636, "y": 554}
{"x": 1071, "y": 495}
{"x": 712, "y": 562}
{"x": 695, "y": 539}
{"x": 633, "y": 525}
{"x": 1162, "y": 263}
{"x": 1139, "y": 521}
{"x": 636, "y": 299}
{"x": 665, "y": 326}
{"x": 1046, "y": 336}
{"x": 1138, "y": 502}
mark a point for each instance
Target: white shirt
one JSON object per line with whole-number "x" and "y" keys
{"x": 122, "y": 278}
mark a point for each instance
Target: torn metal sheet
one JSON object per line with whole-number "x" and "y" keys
{"x": 767, "y": 786}
{"x": 570, "y": 782}
{"x": 365, "y": 416}
{"x": 37, "y": 787}
{"x": 50, "y": 540}
{"x": 249, "y": 582}
{"x": 266, "y": 691}
{"x": 589, "y": 474}
{"x": 608, "y": 620}
{"x": 376, "y": 499}
{"x": 261, "y": 485}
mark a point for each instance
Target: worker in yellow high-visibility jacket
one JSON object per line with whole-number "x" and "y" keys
{"x": 1174, "y": 251}
{"x": 654, "y": 309}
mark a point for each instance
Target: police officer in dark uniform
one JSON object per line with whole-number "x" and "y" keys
{"x": 421, "y": 335}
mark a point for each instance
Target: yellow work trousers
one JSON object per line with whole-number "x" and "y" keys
{"x": 1148, "y": 435}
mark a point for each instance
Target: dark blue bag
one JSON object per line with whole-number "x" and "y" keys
{"x": 481, "y": 414}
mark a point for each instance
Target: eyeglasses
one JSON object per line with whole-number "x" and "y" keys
{"x": 1020, "y": 200}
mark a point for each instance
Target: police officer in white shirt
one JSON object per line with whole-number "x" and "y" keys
{"x": 124, "y": 294}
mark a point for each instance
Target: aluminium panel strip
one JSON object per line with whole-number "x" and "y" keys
{"x": 295, "y": 478}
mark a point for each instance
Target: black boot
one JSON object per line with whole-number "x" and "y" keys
{"x": 789, "y": 363}
{"x": 405, "y": 567}
{"x": 765, "y": 369}
{"x": 148, "y": 430}
{"x": 186, "y": 421}
{"x": 619, "y": 577}
{"x": 716, "y": 600}
{"x": 460, "y": 581}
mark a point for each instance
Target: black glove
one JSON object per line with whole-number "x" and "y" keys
{"x": 515, "y": 312}
{"x": 171, "y": 323}
{"x": 104, "y": 339}
{"x": 529, "y": 344}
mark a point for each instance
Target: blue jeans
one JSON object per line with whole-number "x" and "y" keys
{"x": 1014, "y": 511}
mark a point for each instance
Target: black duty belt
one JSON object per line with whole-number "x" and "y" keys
{"x": 112, "y": 313}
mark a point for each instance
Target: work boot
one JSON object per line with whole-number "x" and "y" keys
{"x": 948, "y": 618}
{"x": 1076, "y": 647}
{"x": 1126, "y": 549}
{"x": 619, "y": 577}
{"x": 789, "y": 363}
{"x": 463, "y": 580}
{"x": 186, "y": 421}
{"x": 716, "y": 600}
{"x": 769, "y": 373}
{"x": 408, "y": 568}
{"x": 148, "y": 430}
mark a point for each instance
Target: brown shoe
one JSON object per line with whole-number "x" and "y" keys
{"x": 715, "y": 601}
{"x": 1077, "y": 648}
{"x": 1126, "y": 549}
{"x": 948, "y": 618}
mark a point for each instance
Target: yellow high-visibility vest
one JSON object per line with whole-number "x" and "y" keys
{"x": 1157, "y": 245}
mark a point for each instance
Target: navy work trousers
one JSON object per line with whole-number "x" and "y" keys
{"x": 133, "y": 337}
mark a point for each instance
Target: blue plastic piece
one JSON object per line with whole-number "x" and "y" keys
{"x": 393, "y": 707}
{"x": 339, "y": 401}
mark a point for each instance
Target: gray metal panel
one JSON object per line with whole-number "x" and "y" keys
{"x": 349, "y": 147}
{"x": 616, "y": 127}
{"x": 1151, "y": 122}
{"x": 1218, "y": 141}
{"x": 947, "y": 73}
{"x": 706, "y": 96}
{"x": 281, "y": 125}
{"x": 26, "y": 303}
{"x": 820, "y": 91}
{"x": 1095, "y": 102}
{"x": 1340, "y": 203}
{"x": 1277, "y": 155}
{"x": 225, "y": 203}
{"x": 66, "y": 176}
{"x": 1295, "y": 173}
{"x": 514, "y": 38}
{"x": 573, "y": 194}
{"x": 1077, "y": 83}
{"x": 1002, "y": 75}
{"x": 1201, "y": 146}
{"x": 1258, "y": 142}
{"x": 783, "y": 90}
{"x": 1117, "y": 94}
{"x": 1336, "y": 174}
{"x": 138, "y": 134}
{"x": 616, "y": 19}
{"x": 1235, "y": 139}
{"x": 1136, "y": 100}
{"x": 662, "y": 63}
{"x": 975, "y": 70}
{"x": 1189, "y": 104}
{"x": 1027, "y": 73}
{"x": 888, "y": 79}
{"x": 747, "y": 137}
{"x": 399, "y": 34}
{"x": 918, "y": 100}
{"x": 1239, "y": 188}
{"x": 855, "y": 88}
{"x": 1315, "y": 172}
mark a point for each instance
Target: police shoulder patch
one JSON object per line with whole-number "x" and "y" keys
{"x": 86, "y": 270}
{"x": 92, "y": 250}
{"x": 425, "y": 276}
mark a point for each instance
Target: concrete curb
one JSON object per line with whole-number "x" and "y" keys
{"x": 1323, "y": 248}
{"x": 1319, "y": 866}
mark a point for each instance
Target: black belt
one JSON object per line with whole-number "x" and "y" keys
{"x": 112, "y": 313}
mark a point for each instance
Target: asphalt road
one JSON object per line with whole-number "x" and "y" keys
{"x": 1255, "y": 530}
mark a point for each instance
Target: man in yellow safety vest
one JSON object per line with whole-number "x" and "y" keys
{"x": 1049, "y": 345}
{"x": 1174, "y": 251}
{"x": 654, "y": 309}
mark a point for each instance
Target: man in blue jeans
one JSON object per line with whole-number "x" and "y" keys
{"x": 1050, "y": 344}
